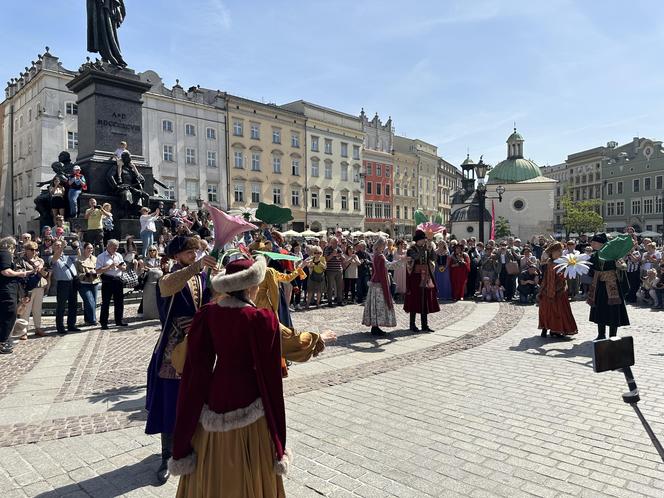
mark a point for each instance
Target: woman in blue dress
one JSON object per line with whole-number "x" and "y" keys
{"x": 442, "y": 272}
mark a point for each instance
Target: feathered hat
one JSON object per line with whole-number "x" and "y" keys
{"x": 240, "y": 274}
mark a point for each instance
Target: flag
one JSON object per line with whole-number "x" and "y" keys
{"x": 493, "y": 221}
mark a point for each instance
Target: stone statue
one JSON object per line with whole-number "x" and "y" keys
{"x": 104, "y": 19}
{"x": 63, "y": 167}
{"x": 128, "y": 185}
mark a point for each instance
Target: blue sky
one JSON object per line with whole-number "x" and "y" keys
{"x": 572, "y": 74}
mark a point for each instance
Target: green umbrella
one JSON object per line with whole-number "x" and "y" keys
{"x": 273, "y": 214}
{"x": 616, "y": 248}
{"x": 420, "y": 217}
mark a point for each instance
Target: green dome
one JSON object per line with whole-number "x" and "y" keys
{"x": 467, "y": 161}
{"x": 513, "y": 171}
{"x": 515, "y": 136}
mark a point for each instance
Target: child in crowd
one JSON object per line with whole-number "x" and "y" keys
{"x": 498, "y": 291}
{"x": 117, "y": 155}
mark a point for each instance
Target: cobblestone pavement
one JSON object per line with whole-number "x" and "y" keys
{"x": 482, "y": 407}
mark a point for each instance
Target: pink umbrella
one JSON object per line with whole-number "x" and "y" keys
{"x": 226, "y": 227}
{"x": 430, "y": 228}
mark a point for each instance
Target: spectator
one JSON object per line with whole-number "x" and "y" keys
{"x": 94, "y": 214}
{"x": 334, "y": 272}
{"x": 442, "y": 272}
{"x": 107, "y": 222}
{"x": 527, "y": 259}
{"x": 528, "y": 284}
{"x": 110, "y": 266}
{"x": 507, "y": 279}
{"x": 148, "y": 228}
{"x": 351, "y": 264}
{"x": 316, "y": 265}
{"x": 633, "y": 260}
{"x": 650, "y": 258}
{"x": 77, "y": 184}
{"x": 63, "y": 272}
{"x": 89, "y": 288}
{"x": 363, "y": 271}
{"x": 9, "y": 284}
{"x": 459, "y": 264}
{"x": 58, "y": 203}
{"x": 34, "y": 287}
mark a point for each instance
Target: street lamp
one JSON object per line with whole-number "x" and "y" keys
{"x": 481, "y": 169}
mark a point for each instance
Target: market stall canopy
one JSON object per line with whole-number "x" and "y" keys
{"x": 291, "y": 233}
{"x": 356, "y": 233}
{"x": 308, "y": 233}
{"x": 650, "y": 234}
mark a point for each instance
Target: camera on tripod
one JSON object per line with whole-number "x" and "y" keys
{"x": 617, "y": 354}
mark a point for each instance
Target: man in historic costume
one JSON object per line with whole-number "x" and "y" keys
{"x": 180, "y": 294}
{"x": 607, "y": 291}
{"x": 420, "y": 285}
{"x": 104, "y": 19}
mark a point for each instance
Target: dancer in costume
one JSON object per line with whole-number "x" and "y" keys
{"x": 230, "y": 433}
{"x": 421, "y": 288}
{"x": 379, "y": 308}
{"x": 442, "y": 272}
{"x": 180, "y": 294}
{"x": 607, "y": 291}
{"x": 555, "y": 312}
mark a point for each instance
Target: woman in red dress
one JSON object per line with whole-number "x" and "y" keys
{"x": 555, "y": 313}
{"x": 459, "y": 270}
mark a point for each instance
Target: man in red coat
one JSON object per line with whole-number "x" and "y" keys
{"x": 420, "y": 285}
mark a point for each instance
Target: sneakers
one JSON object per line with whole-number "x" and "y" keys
{"x": 6, "y": 348}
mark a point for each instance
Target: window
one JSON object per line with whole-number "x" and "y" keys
{"x": 314, "y": 144}
{"x": 658, "y": 204}
{"x": 168, "y": 153}
{"x": 295, "y": 197}
{"x": 314, "y": 167}
{"x": 344, "y": 202}
{"x": 314, "y": 199}
{"x": 238, "y": 190}
{"x": 276, "y": 136}
{"x": 356, "y": 174}
{"x": 276, "y": 164}
{"x": 170, "y": 189}
{"x": 379, "y": 170}
{"x": 620, "y": 208}
{"x": 328, "y": 170}
{"x": 397, "y": 190}
{"x": 72, "y": 140}
{"x": 295, "y": 140}
{"x": 190, "y": 156}
{"x": 71, "y": 108}
{"x": 647, "y": 206}
{"x": 328, "y": 146}
{"x": 636, "y": 206}
{"x": 344, "y": 149}
{"x": 193, "y": 192}
{"x": 368, "y": 209}
{"x": 238, "y": 159}
{"x": 238, "y": 128}
{"x": 636, "y": 184}
{"x": 328, "y": 200}
{"x": 356, "y": 202}
{"x": 167, "y": 126}
{"x": 387, "y": 210}
{"x": 190, "y": 130}
{"x": 378, "y": 210}
{"x": 255, "y": 161}
{"x": 368, "y": 169}
{"x": 369, "y": 188}
{"x": 255, "y": 131}
{"x": 398, "y": 212}
{"x": 646, "y": 183}
{"x": 379, "y": 187}
{"x": 412, "y": 191}
{"x": 295, "y": 167}
{"x": 356, "y": 152}
{"x": 518, "y": 204}
{"x": 212, "y": 192}
{"x": 658, "y": 183}
{"x": 344, "y": 172}
{"x": 387, "y": 189}
{"x": 387, "y": 171}
{"x": 609, "y": 188}
{"x": 619, "y": 188}
{"x": 211, "y": 134}
{"x": 212, "y": 159}
{"x": 255, "y": 193}
{"x": 29, "y": 115}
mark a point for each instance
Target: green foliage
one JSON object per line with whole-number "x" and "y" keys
{"x": 581, "y": 216}
{"x": 502, "y": 227}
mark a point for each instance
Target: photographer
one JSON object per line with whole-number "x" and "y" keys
{"x": 77, "y": 184}
{"x": 528, "y": 284}
{"x": 94, "y": 214}
{"x": 63, "y": 272}
{"x": 334, "y": 272}
{"x": 110, "y": 265}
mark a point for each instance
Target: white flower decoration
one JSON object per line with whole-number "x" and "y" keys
{"x": 573, "y": 264}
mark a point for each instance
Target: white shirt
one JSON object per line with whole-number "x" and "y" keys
{"x": 147, "y": 223}
{"x": 105, "y": 258}
{"x": 647, "y": 257}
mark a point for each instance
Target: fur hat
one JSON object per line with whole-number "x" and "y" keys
{"x": 240, "y": 274}
{"x": 600, "y": 237}
{"x": 419, "y": 235}
{"x": 180, "y": 244}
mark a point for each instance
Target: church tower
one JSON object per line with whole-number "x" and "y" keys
{"x": 515, "y": 146}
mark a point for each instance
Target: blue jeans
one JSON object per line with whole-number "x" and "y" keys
{"x": 147, "y": 237}
{"x": 73, "y": 202}
{"x": 88, "y": 294}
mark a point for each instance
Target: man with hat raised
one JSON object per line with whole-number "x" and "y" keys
{"x": 180, "y": 294}
{"x": 420, "y": 284}
{"x": 608, "y": 288}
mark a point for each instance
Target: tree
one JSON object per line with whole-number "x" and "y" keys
{"x": 502, "y": 227}
{"x": 581, "y": 216}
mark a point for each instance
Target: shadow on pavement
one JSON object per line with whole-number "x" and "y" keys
{"x": 114, "y": 483}
{"x": 541, "y": 346}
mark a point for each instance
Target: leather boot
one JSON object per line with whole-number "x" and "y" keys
{"x": 166, "y": 450}
{"x": 413, "y": 327}
{"x": 425, "y": 323}
{"x": 601, "y": 332}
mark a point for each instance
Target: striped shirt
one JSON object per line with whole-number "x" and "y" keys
{"x": 333, "y": 258}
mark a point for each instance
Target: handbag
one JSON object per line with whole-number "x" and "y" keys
{"x": 512, "y": 268}
{"x": 129, "y": 279}
{"x": 175, "y": 353}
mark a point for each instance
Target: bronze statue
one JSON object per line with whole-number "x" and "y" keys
{"x": 104, "y": 19}
{"x": 129, "y": 186}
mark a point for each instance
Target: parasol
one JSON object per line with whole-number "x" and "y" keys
{"x": 273, "y": 214}
{"x": 420, "y": 217}
{"x": 616, "y": 248}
